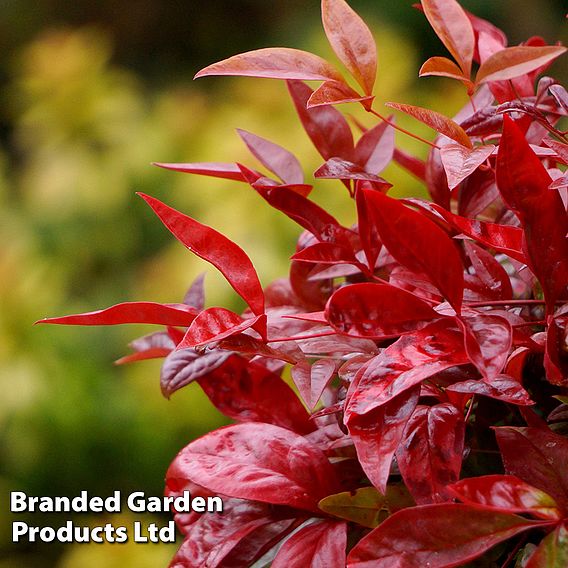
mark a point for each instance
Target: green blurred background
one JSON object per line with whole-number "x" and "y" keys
{"x": 92, "y": 92}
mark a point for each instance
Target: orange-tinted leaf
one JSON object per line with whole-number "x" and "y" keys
{"x": 275, "y": 63}
{"x": 351, "y": 40}
{"x": 333, "y": 93}
{"x": 514, "y": 61}
{"x": 436, "y": 121}
{"x": 442, "y": 67}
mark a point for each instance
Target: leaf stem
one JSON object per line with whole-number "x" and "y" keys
{"x": 298, "y": 337}
{"x": 403, "y": 130}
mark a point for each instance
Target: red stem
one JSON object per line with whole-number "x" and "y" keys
{"x": 403, "y": 130}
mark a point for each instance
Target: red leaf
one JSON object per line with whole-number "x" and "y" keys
{"x": 374, "y": 150}
{"x": 555, "y": 355}
{"x": 352, "y": 41}
{"x": 523, "y": 182}
{"x": 552, "y": 551}
{"x": 502, "y": 387}
{"x": 334, "y": 93}
{"x": 326, "y": 253}
{"x": 514, "y": 61}
{"x": 410, "y": 163}
{"x": 195, "y": 296}
{"x": 131, "y": 312}
{"x": 311, "y": 380}
{"x": 337, "y": 168}
{"x": 418, "y": 244}
{"x": 505, "y": 493}
{"x": 212, "y": 169}
{"x": 314, "y": 546}
{"x": 430, "y": 454}
{"x": 378, "y": 433}
{"x": 442, "y": 536}
{"x": 460, "y": 162}
{"x": 488, "y": 340}
{"x": 277, "y": 159}
{"x": 326, "y": 126}
{"x": 377, "y": 311}
{"x": 275, "y": 63}
{"x": 537, "y": 456}
{"x": 436, "y": 121}
{"x": 154, "y": 353}
{"x": 452, "y": 26}
{"x": 406, "y": 363}
{"x": 261, "y": 462}
{"x": 212, "y": 246}
{"x": 496, "y": 283}
{"x": 443, "y": 67}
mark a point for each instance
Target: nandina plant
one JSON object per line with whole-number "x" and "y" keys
{"x": 427, "y": 343}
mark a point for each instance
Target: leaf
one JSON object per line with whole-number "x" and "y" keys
{"x": 261, "y": 462}
{"x": 452, "y": 26}
{"x": 502, "y": 387}
{"x": 337, "y": 168}
{"x": 418, "y": 244}
{"x": 362, "y": 506}
{"x": 505, "y": 493}
{"x": 537, "y": 456}
{"x": 314, "y": 546}
{"x": 404, "y": 364}
{"x": 552, "y": 551}
{"x": 377, "y": 311}
{"x": 378, "y": 433}
{"x": 212, "y": 169}
{"x": 327, "y": 128}
{"x": 514, "y": 61}
{"x": 351, "y": 40}
{"x": 278, "y": 160}
{"x": 374, "y": 150}
{"x": 311, "y": 380}
{"x": 326, "y": 253}
{"x": 561, "y": 96}
{"x": 435, "y": 121}
{"x": 460, "y": 162}
{"x": 488, "y": 339}
{"x": 131, "y": 312}
{"x": 333, "y": 93}
{"x": 195, "y": 296}
{"x": 430, "y": 454}
{"x": 494, "y": 279}
{"x": 523, "y": 182}
{"x": 275, "y": 63}
{"x": 441, "y": 535}
{"x": 442, "y": 67}
{"x": 411, "y": 164}
{"x": 212, "y": 246}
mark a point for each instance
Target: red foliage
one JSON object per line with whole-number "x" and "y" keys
{"x": 429, "y": 340}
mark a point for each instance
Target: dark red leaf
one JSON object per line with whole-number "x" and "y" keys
{"x": 537, "y": 456}
{"x": 505, "y": 493}
{"x": 212, "y": 246}
{"x": 502, "y": 388}
{"x": 314, "y": 546}
{"x": 377, "y": 311}
{"x": 261, "y": 462}
{"x": 410, "y": 163}
{"x": 460, "y": 162}
{"x": 311, "y": 380}
{"x": 441, "y": 535}
{"x": 374, "y": 150}
{"x": 337, "y": 168}
{"x": 555, "y": 353}
{"x": 494, "y": 280}
{"x": 430, "y": 454}
{"x": 326, "y": 253}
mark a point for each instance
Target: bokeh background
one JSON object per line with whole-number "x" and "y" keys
{"x": 92, "y": 91}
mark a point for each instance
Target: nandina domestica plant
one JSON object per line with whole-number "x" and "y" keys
{"x": 428, "y": 343}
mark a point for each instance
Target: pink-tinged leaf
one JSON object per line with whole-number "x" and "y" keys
{"x": 211, "y": 169}
{"x": 430, "y": 454}
{"x": 275, "y": 63}
{"x": 441, "y": 535}
{"x": 559, "y": 148}
{"x": 326, "y": 253}
{"x": 314, "y": 546}
{"x": 374, "y": 150}
{"x": 334, "y": 93}
{"x": 488, "y": 38}
{"x": 261, "y": 462}
{"x": 351, "y": 40}
{"x": 248, "y": 392}
{"x": 524, "y": 184}
{"x": 460, "y": 162}
{"x": 275, "y": 158}
{"x": 327, "y": 128}
{"x": 419, "y": 244}
{"x": 435, "y": 121}
{"x": 488, "y": 340}
{"x": 505, "y": 493}
{"x": 502, "y": 387}
{"x": 443, "y": 67}
{"x": 410, "y": 163}
{"x": 493, "y": 278}
{"x": 212, "y": 246}
{"x": 452, "y": 26}
{"x": 377, "y": 311}
{"x": 215, "y": 324}
{"x": 195, "y": 296}
{"x": 311, "y": 380}
{"x": 378, "y": 433}
{"x": 131, "y": 312}
{"x": 337, "y": 168}
{"x": 539, "y": 457}
{"x": 315, "y": 317}
{"x": 246, "y": 344}
{"x": 184, "y": 367}
{"x": 552, "y": 551}
{"x": 412, "y": 359}
{"x": 515, "y": 61}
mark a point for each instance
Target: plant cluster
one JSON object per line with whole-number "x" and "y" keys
{"x": 427, "y": 343}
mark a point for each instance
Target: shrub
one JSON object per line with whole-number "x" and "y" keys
{"x": 427, "y": 343}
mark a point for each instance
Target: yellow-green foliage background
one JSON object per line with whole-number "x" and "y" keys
{"x": 81, "y": 129}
